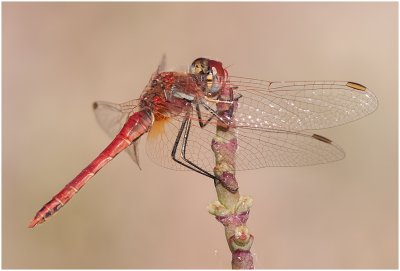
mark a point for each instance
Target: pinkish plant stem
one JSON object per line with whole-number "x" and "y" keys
{"x": 231, "y": 209}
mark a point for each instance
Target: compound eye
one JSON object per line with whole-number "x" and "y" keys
{"x": 199, "y": 66}
{"x": 217, "y": 82}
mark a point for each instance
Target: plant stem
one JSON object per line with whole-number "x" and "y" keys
{"x": 231, "y": 209}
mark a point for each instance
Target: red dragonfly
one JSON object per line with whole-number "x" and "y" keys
{"x": 179, "y": 112}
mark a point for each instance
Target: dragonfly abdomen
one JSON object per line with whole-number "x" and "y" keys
{"x": 135, "y": 126}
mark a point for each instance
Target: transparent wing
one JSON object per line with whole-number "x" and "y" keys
{"x": 300, "y": 105}
{"x": 268, "y": 119}
{"x": 160, "y": 142}
{"x": 258, "y": 147}
{"x": 163, "y": 64}
{"x": 276, "y": 148}
{"x": 112, "y": 117}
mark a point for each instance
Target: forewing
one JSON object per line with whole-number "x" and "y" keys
{"x": 300, "y": 105}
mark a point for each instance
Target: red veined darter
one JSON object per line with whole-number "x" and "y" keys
{"x": 179, "y": 113}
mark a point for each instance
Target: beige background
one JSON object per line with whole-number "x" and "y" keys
{"x": 59, "y": 58}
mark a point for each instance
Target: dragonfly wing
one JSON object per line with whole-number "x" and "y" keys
{"x": 163, "y": 64}
{"x": 133, "y": 152}
{"x": 278, "y": 148}
{"x": 257, "y": 147}
{"x": 301, "y": 105}
{"x": 160, "y": 142}
{"x": 112, "y": 117}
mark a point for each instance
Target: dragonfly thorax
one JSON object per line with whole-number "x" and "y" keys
{"x": 170, "y": 93}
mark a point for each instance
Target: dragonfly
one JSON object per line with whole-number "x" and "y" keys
{"x": 179, "y": 113}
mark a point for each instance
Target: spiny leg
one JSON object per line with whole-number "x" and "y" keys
{"x": 183, "y": 153}
{"x": 201, "y": 123}
{"x": 174, "y": 149}
{"x": 212, "y": 111}
{"x": 186, "y": 127}
{"x": 225, "y": 119}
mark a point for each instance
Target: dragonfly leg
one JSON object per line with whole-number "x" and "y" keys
{"x": 193, "y": 167}
{"x": 183, "y": 153}
{"x": 214, "y": 114}
{"x": 201, "y": 122}
{"x": 226, "y": 119}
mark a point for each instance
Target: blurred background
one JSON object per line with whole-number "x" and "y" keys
{"x": 60, "y": 57}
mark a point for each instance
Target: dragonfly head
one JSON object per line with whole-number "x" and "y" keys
{"x": 211, "y": 74}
